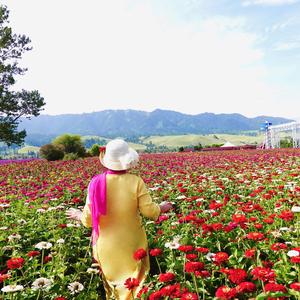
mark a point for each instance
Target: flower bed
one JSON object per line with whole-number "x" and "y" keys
{"x": 232, "y": 234}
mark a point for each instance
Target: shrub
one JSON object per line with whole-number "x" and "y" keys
{"x": 95, "y": 150}
{"x": 71, "y": 144}
{"x": 52, "y": 152}
{"x": 71, "y": 156}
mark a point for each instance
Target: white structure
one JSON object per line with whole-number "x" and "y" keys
{"x": 227, "y": 144}
{"x": 272, "y": 134}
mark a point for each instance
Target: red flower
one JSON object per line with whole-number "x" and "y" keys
{"x": 155, "y": 252}
{"x": 220, "y": 257}
{"x": 189, "y": 296}
{"x": 286, "y": 215}
{"x": 255, "y": 236}
{"x": 15, "y": 263}
{"x": 186, "y": 248}
{"x": 192, "y": 256}
{"x": 131, "y": 283}
{"x": 295, "y": 286}
{"x": 202, "y": 250}
{"x": 60, "y": 298}
{"x": 263, "y": 274}
{"x": 142, "y": 291}
{"x": 47, "y": 258}
{"x": 166, "y": 277}
{"x": 33, "y": 253}
{"x": 171, "y": 290}
{"x": 139, "y": 254}
{"x": 3, "y": 277}
{"x": 102, "y": 149}
{"x": 239, "y": 218}
{"x": 278, "y": 246}
{"x": 274, "y": 287}
{"x": 237, "y": 275}
{"x": 295, "y": 259}
{"x": 225, "y": 293}
{"x": 155, "y": 296}
{"x": 193, "y": 266}
{"x": 250, "y": 253}
{"x": 246, "y": 287}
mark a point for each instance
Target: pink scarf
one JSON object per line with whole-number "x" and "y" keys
{"x": 97, "y": 195}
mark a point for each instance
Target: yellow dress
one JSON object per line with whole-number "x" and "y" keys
{"x": 121, "y": 233}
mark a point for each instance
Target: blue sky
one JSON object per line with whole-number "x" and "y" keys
{"x": 193, "y": 56}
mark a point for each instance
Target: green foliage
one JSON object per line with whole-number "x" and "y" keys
{"x": 95, "y": 150}
{"x": 71, "y": 156}
{"x": 14, "y": 104}
{"x": 52, "y": 152}
{"x": 71, "y": 144}
{"x": 286, "y": 143}
{"x": 198, "y": 147}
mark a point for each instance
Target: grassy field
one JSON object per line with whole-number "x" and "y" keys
{"x": 193, "y": 139}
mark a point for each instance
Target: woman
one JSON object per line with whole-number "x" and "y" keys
{"x": 113, "y": 206}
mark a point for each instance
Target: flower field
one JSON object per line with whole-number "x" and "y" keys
{"x": 233, "y": 232}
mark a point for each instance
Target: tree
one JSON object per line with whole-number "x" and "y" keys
{"x": 52, "y": 152}
{"x": 14, "y": 104}
{"x": 71, "y": 144}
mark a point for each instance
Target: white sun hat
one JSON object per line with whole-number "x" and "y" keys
{"x": 118, "y": 156}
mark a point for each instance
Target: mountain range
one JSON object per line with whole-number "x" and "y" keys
{"x": 132, "y": 123}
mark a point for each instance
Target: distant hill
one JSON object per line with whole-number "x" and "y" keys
{"x": 134, "y": 123}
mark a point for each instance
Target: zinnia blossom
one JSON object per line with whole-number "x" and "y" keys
{"x": 274, "y": 287}
{"x": 41, "y": 284}
{"x": 131, "y": 283}
{"x": 237, "y": 275}
{"x": 295, "y": 286}
{"x": 12, "y": 288}
{"x": 189, "y": 296}
{"x": 263, "y": 274}
{"x": 166, "y": 277}
{"x": 139, "y": 254}
{"x": 220, "y": 257}
{"x": 155, "y": 252}
{"x": 225, "y": 292}
{"x": 246, "y": 287}
{"x": 15, "y": 263}
{"x": 193, "y": 266}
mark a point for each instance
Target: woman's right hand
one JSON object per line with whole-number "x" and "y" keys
{"x": 74, "y": 214}
{"x": 165, "y": 206}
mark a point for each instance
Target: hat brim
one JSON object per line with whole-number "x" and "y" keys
{"x": 114, "y": 165}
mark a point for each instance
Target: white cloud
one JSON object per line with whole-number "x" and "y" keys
{"x": 120, "y": 54}
{"x": 285, "y": 46}
{"x": 268, "y": 2}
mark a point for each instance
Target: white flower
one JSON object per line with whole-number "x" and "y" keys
{"x": 14, "y": 236}
{"x": 12, "y": 288}
{"x": 284, "y": 229}
{"x": 70, "y": 225}
{"x": 60, "y": 241}
{"x": 210, "y": 256}
{"x": 95, "y": 265}
{"x": 75, "y": 287}
{"x": 174, "y": 244}
{"x": 22, "y": 222}
{"x": 43, "y": 245}
{"x": 181, "y": 197}
{"x": 92, "y": 271}
{"x": 40, "y": 210}
{"x": 41, "y": 284}
{"x": 4, "y": 205}
{"x": 3, "y": 228}
{"x": 293, "y": 253}
{"x": 296, "y": 209}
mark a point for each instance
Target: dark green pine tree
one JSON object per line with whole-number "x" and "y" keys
{"x": 14, "y": 104}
